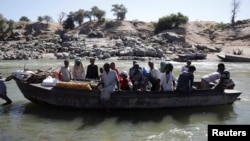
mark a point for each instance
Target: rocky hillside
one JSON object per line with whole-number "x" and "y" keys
{"x": 119, "y": 38}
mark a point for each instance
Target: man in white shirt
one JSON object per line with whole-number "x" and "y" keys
{"x": 185, "y": 68}
{"x": 168, "y": 78}
{"x": 109, "y": 80}
{"x": 155, "y": 77}
{"x": 65, "y": 72}
{"x": 212, "y": 77}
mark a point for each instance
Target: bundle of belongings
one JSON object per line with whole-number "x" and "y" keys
{"x": 74, "y": 85}
{"x": 48, "y": 78}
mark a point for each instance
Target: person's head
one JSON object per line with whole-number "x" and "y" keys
{"x": 124, "y": 74}
{"x": 92, "y": 60}
{"x": 101, "y": 70}
{"x": 136, "y": 66}
{"x": 106, "y": 67}
{"x": 189, "y": 62}
{"x": 163, "y": 66}
{"x": 192, "y": 68}
{"x": 66, "y": 63}
{"x": 169, "y": 67}
{"x": 112, "y": 65}
{"x": 221, "y": 67}
{"x": 225, "y": 75}
{"x": 134, "y": 62}
{"x": 151, "y": 64}
{"x": 78, "y": 61}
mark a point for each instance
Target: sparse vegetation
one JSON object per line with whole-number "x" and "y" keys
{"x": 222, "y": 26}
{"x": 24, "y": 18}
{"x": 119, "y": 11}
{"x": 48, "y": 18}
{"x": 62, "y": 15}
{"x": 235, "y": 9}
{"x": 68, "y": 24}
{"x": 79, "y": 16}
{"x": 6, "y": 26}
{"x": 168, "y": 22}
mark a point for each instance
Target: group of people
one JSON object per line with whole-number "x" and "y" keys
{"x": 140, "y": 79}
{"x": 208, "y": 81}
{"x": 78, "y": 72}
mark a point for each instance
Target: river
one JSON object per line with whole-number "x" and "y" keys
{"x": 25, "y": 121}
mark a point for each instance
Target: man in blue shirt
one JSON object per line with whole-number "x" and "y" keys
{"x": 185, "y": 80}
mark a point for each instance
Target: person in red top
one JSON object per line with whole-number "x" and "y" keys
{"x": 112, "y": 66}
{"x": 125, "y": 82}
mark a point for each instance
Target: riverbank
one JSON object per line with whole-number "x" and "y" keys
{"x": 211, "y": 57}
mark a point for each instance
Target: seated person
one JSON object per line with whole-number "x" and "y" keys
{"x": 225, "y": 82}
{"x": 125, "y": 82}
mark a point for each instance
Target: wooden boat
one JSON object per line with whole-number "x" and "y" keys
{"x": 75, "y": 98}
{"x": 233, "y": 58}
{"x": 191, "y": 56}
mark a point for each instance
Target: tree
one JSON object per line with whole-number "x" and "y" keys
{"x": 24, "y": 18}
{"x": 3, "y": 25}
{"x": 6, "y": 26}
{"x": 47, "y": 18}
{"x": 62, "y": 15}
{"x": 79, "y": 15}
{"x": 100, "y": 15}
{"x": 69, "y": 23}
{"x": 178, "y": 19}
{"x": 88, "y": 14}
{"x": 11, "y": 24}
{"x": 40, "y": 19}
{"x": 168, "y": 22}
{"x": 119, "y": 11}
{"x": 235, "y": 10}
{"x": 94, "y": 10}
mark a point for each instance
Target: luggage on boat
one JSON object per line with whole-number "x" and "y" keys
{"x": 74, "y": 85}
{"x": 49, "y": 81}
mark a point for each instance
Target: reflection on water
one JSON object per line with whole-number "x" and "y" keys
{"x": 28, "y": 122}
{"x": 134, "y": 116}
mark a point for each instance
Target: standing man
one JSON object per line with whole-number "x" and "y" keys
{"x": 186, "y": 80}
{"x": 168, "y": 78}
{"x": 185, "y": 67}
{"x": 109, "y": 80}
{"x": 92, "y": 70}
{"x": 65, "y": 72}
{"x": 131, "y": 70}
{"x": 78, "y": 70}
{"x": 3, "y": 92}
{"x": 155, "y": 77}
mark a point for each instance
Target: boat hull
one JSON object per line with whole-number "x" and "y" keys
{"x": 125, "y": 99}
{"x": 233, "y": 58}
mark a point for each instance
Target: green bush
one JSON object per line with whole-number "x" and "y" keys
{"x": 222, "y": 26}
{"x": 170, "y": 21}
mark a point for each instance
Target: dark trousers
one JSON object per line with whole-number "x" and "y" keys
{"x": 5, "y": 97}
